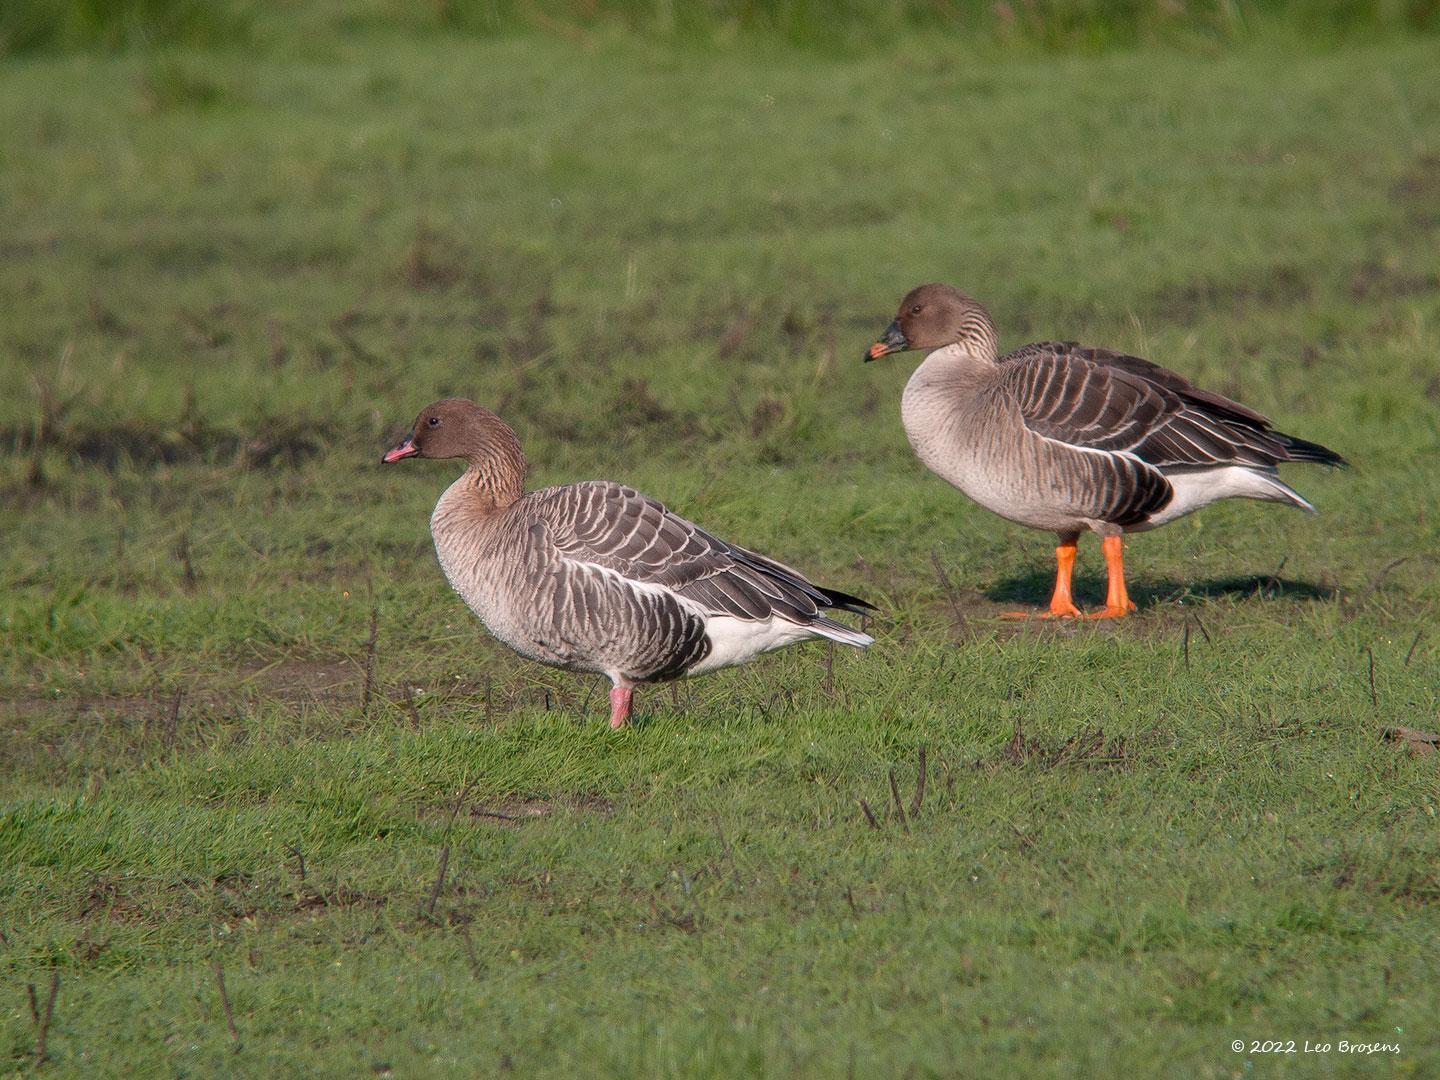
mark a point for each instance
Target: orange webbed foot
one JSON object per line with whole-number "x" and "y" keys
{"x": 1117, "y": 612}
{"x": 1061, "y": 604}
{"x": 1064, "y": 610}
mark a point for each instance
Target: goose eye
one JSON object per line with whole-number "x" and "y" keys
{"x": 434, "y": 421}
{"x": 916, "y": 309}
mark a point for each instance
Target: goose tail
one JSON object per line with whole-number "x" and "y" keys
{"x": 1283, "y": 492}
{"x": 1297, "y": 449}
{"x": 845, "y": 602}
{"x": 838, "y": 631}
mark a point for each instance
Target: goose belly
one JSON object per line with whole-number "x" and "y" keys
{"x": 480, "y": 583}
{"x": 587, "y": 622}
{"x": 734, "y": 641}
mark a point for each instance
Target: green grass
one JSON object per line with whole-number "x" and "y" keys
{"x": 828, "y": 26}
{"x": 230, "y": 279}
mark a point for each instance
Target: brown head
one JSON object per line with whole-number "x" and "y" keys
{"x": 458, "y": 428}
{"x": 934, "y": 316}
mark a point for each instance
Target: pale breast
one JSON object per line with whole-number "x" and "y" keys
{"x": 971, "y": 440}
{"x": 488, "y": 572}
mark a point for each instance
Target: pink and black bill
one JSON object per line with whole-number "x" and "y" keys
{"x": 404, "y": 450}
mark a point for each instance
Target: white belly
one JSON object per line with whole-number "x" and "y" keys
{"x": 734, "y": 641}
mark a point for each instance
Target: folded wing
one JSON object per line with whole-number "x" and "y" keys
{"x": 1101, "y": 400}
{"x": 613, "y": 528}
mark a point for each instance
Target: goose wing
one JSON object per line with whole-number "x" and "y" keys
{"x": 608, "y": 528}
{"x": 1102, "y": 400}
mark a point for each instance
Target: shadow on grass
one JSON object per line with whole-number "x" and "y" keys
{"x": 1033, "y": 589}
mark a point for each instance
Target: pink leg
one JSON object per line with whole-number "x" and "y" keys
{"x": 619, "y": 706}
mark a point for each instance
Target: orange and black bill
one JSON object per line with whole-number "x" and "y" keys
{"x": 893, "y": 340}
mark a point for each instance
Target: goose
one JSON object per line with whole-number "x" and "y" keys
{"x": 596, "y": 577}
{"x": 1066, "y": 438}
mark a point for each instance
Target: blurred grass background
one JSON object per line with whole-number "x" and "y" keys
{"x": 848, "y": 25}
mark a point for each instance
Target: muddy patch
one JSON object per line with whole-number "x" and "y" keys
{"x": 636, "y": 404}
{"x": 304, "y": 681}
{"x": 431, "y": 263}
{"x": 1382, "y": 281}
{"x": 144, "y": 444}
{"x": 105, "y": 897}
{"x": 767, "y": 414}
{"x": 1417, "y": 191}
{"x": 1408, "y": 876}
{"x": 337, "y": 896}
{"x": 229, "y": 896}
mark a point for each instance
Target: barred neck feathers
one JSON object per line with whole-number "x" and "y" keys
{"x": 495, "y": 473}
{"x": 975, "y": 335}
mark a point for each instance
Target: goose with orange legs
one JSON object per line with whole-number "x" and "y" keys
{"x": 1070, "y": 439}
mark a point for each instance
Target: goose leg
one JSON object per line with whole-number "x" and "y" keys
{"x": 620, "y": 706}
{"x": 1117, "y": 600}
{"x": 1062, "y": 605}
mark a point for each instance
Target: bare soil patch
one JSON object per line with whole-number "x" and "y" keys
{"x": 1417, "y": 191}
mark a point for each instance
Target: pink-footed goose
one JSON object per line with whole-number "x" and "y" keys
{"x": 1065, "y": 438}
{"x": 596, "y": 577}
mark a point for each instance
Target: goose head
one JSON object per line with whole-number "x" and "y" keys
{"x": 936, "y": 317}
{"x": 452, "y": 428}
{"x": 458, "y": 428}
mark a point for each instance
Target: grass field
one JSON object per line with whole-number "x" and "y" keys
{"x": 247, "y": 724}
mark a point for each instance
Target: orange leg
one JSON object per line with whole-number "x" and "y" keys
{"x": 1062, "y": 604}
{"x": 1117, "y": 600}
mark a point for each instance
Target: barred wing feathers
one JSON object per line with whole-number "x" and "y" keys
{"x": 604, "y": 525}
{"x": 1101, "y": 400}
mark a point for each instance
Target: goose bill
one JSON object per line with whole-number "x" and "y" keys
{"x": 893, "y": 340}
{"x": 404, "y": 450}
